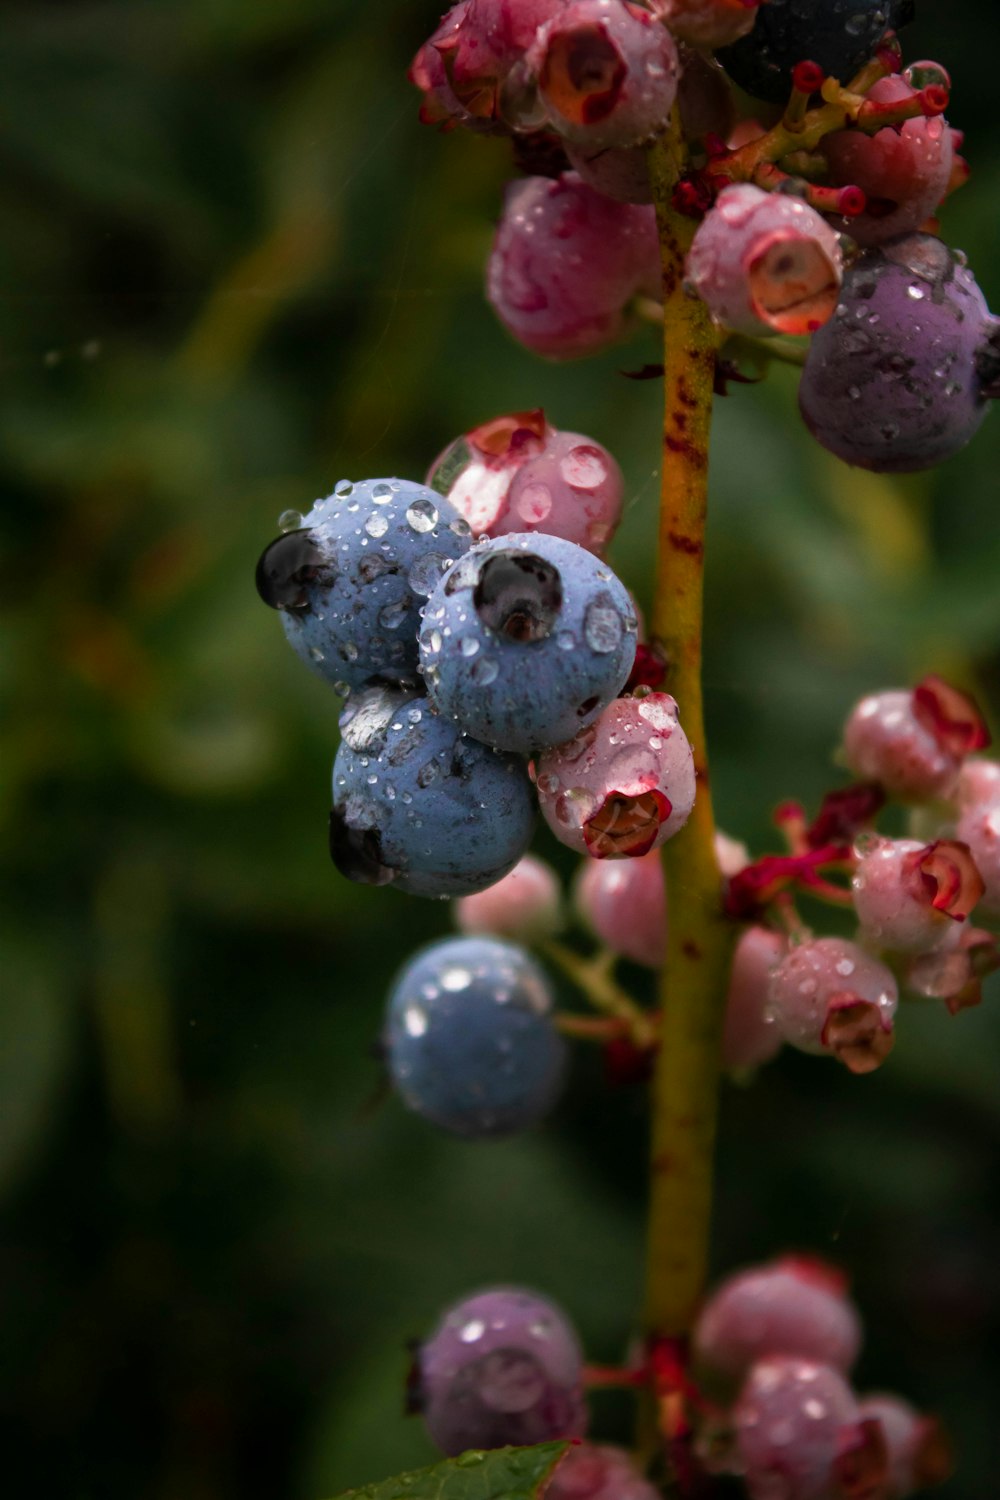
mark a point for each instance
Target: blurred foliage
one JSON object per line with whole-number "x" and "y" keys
{"x": 234, "y": 270}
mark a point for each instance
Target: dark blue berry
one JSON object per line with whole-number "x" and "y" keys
{"x": 418, "y": 804}
{"x": 526, "y": 639}
{"x": 840, "y": 35}
{"x": 351, "y": 582}
{"x": 470, "y": 1040}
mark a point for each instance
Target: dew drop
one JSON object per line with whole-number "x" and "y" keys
{"x": 422, "y": 516}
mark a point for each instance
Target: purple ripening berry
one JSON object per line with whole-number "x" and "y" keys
{"x": 524, "y": 905}
{"x": 903, "y": 170}
{"x": 901, "y": 376}
{"x": 912, "y": 897}
{"x": 624, "y": 901}
{"x": 750, "y": 1036}
{"x": 567, "y": 264}
{"x": 502, "y": 1366}
{"x": 516, "y": 473}
{"x": 606, "y": 74}
{"x": 828, "y": 996}
{"x": 796, "y": 1421}
{"x": 765, "y": 263}
{"x": 796, "y": 1306}
{"x": 598, "y": 1472}
{"x": 623, "y": 786}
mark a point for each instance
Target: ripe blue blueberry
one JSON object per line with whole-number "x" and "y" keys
{"x": 419, "y": 804}
{"x": 350, "y": 583}
{"x": 502, "y": 1366}
{"x": 470, "y": 1040}
{"x": 840, "y": 35}
{"x": 525, "y": 641}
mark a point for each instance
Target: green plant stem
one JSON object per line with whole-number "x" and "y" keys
{"x": 694, "y": 979}
{"x": 594, "y": 977}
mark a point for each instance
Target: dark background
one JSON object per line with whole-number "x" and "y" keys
{"x": 233, "y": 270}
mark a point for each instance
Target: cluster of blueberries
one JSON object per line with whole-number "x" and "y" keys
{"x": 771, "y": 1353}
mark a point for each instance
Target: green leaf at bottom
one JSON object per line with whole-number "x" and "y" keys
{"x": 502, "y": 1474}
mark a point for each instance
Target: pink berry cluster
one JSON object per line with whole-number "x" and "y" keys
{"x": 819, "y": 223}
{"x": 913, "y": 898}
{"x": 766, "y": 1387}
{"x": 777, "y": 1343}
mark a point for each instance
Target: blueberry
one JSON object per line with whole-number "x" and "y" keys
{"x": 351, "y": 581}
{"x": 502, "y": 1366}
{"x": 526, "y": 639}
{"x": 419, "y": 804}
{"x": 840, "y": 35}
{"x": 470, "y": 1040}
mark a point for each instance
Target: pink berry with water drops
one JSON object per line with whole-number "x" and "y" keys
{"x": 903, "y": 170}
{"x": 502, "y": 1366}
{"x": 765, "y": 263}
{"x": 750, "y": 1036}
{"x": 525, "y": 905}
{"x": 625, "y": 784}
{"x": 914, "y": 742}
{"x": 795, "y": 1421}
{"x": 828, "y": 996}
{"x": 979, "y": 828}
{"x": 912, "y": 897}
{"x": 589, "y": 1471}
{"x": 516, "y": 473}
{"x": 918, "y": 1450}
{"x": 624, "y": 901}
{"x": 606, "y": 73}
{"x": 567, "y": 265}
{"x": 707, "y": 23}
{"x": 796, "y": 1306}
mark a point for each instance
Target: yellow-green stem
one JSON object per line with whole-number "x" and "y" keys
{"x": 694, "y": 978}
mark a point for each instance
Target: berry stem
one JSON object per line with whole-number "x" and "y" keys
{"x": 693, "y": 980}
{"x": 594, "y": 977}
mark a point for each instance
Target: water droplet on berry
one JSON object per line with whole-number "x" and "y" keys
{"x": 289, "y": 520}
{"x": 484, "y": 671}
{"x": 534, "y": 503}
{"x": 422, "y": 516}
{"x": 377, "y": 525}
{"x": 602, "y": 625}
{"x": 343, "y": 488}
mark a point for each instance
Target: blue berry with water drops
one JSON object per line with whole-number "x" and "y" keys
{"x": 839, "y": 35}
{"x": 469, "y": 1038}
{"x": 902, "y": 375}
{"x": 350, "y": 582}
{"x": 419, "y": 804}
{"x": 502, "y": 1366}
{"x": 526, "y": 640}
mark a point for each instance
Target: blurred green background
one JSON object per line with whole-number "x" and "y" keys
{"x": 234, "y": 269}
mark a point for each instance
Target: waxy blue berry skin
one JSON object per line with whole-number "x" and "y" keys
{"x": 840, "y": 35}
{"x": 525, "y": 640}
{"x": 419, "y": 804}
{"x": 351, "y": 582}
{"x": 470, "y": 1040}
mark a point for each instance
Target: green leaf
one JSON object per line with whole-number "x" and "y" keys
{"x": 503, "y": 1474}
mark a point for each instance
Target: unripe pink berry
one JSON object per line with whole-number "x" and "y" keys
{"x": 955, "y": 975}
{"x": 885, "y": 741}
{"x": 978, "y": 782}
{"x": 707, "y": 23}
{"x": 524, "y": 905}
{"x": 598, "y": 1472}
{"x": 625, "y": 784}
{"x": 517, "y": 473}
{"x": 912, "y": 897}
{"x": 624, "y": 901}
{"x": 918, "y": 1449}
{"x": 765, "y": 263}
{"x": 567, "y": 264}
{"x": 979, "y": 828}
{"x": 797, "y": 1306}
{"x": 606, "y": 73}
{"x": 750, "y": 1036}
{"x": 830, "y": 996}
{"x": 794, "y": 1421}
{"x": 904, "y": 170}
